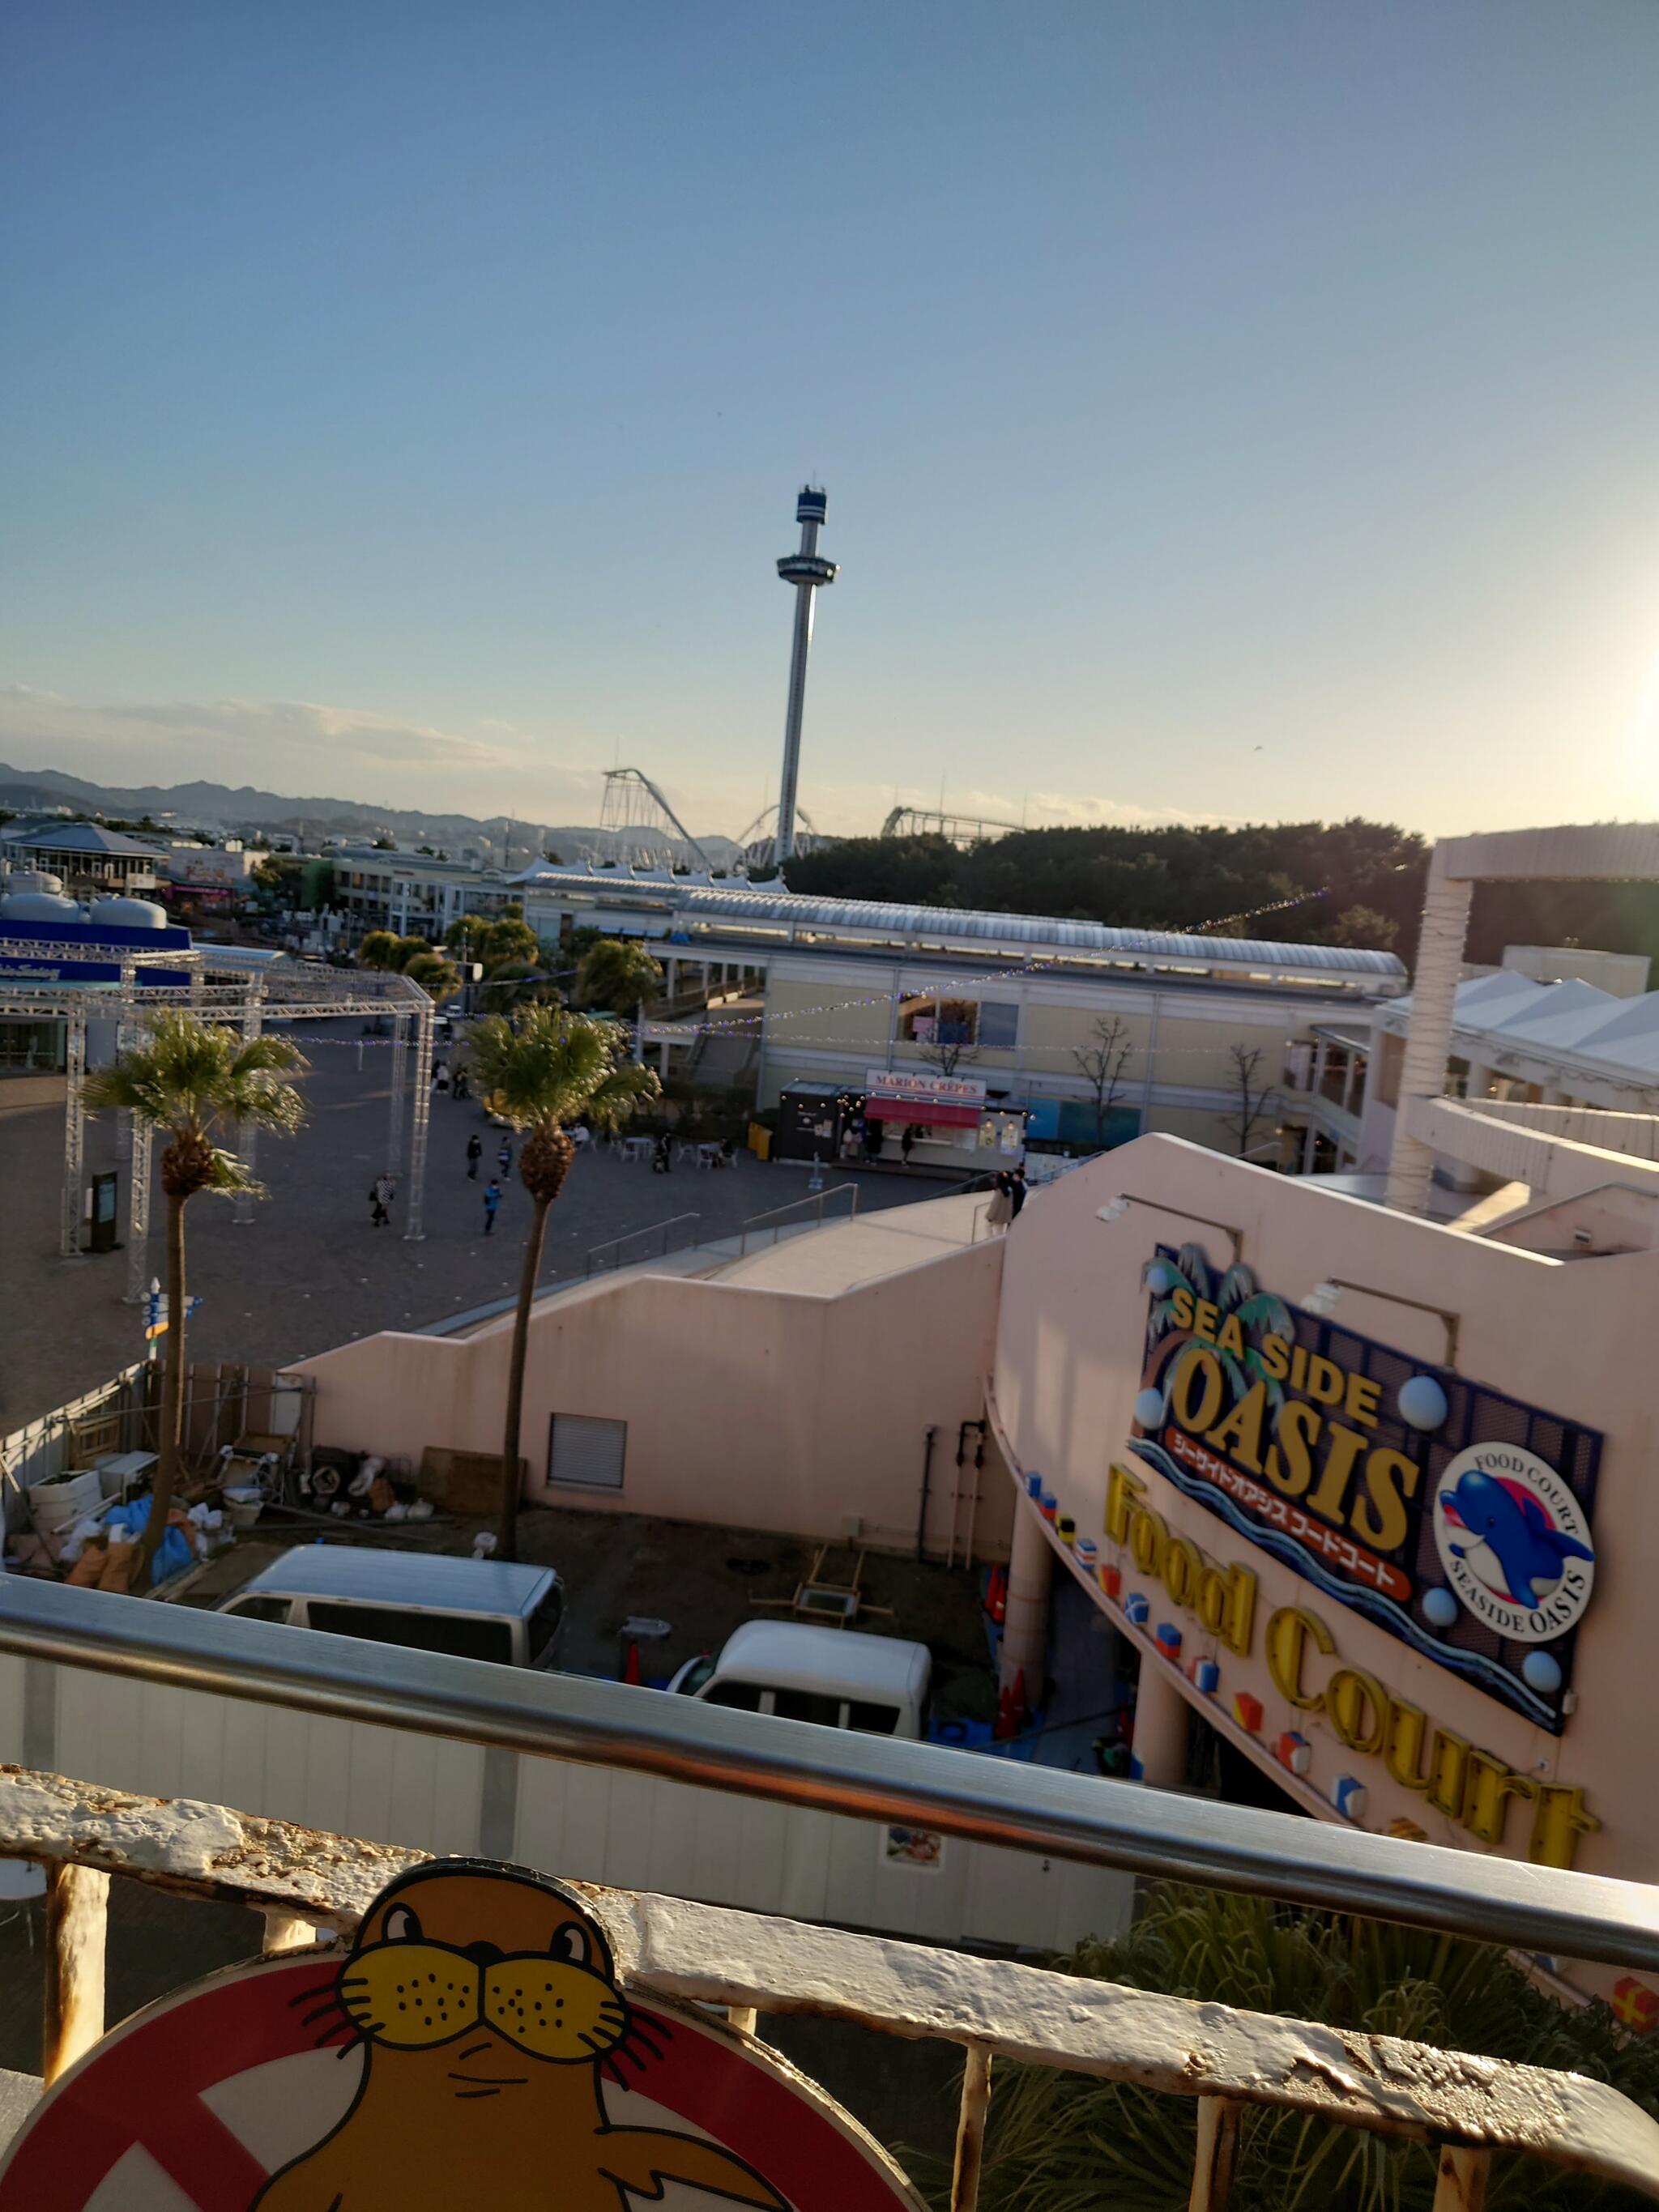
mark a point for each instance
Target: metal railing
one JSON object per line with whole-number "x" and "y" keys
{"x": 781, "y": 1219}
{"x": 304, "y": 1883}
{"x": 677, "y": 1234}
{"x": 1062, "y": 1815}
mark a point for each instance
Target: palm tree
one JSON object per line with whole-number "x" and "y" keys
{"x": 378, "y": 950}
{"x": 436, "y": 976}
{"x": 539, "y": 1070}
{"x": 191, "y": 1081}
{"x": 617, "y": 973}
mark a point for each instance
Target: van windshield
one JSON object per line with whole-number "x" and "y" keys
{"x": 461, "y": 1635}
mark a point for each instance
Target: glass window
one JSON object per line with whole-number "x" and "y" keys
{"x": 259, "y": 1608}
{"x": 807, "y": 1706}
{"x": 461, "y": 1635}
{"x": 696, "y": 1675}
{"x": 544, "y": 1625}
{"x": 924, "y": 1019}
{"x": 999, "y": 1025}
{"x": 742, "y": 1697}
{"x": 873, "y": 1719}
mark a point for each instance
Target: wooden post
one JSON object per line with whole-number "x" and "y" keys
{"x": 285, "y": 1931}
{"x": 1461, "y": 2186}
{"x": 1218, "y": 2154}
{"x": 970, "y": 2127}
{"x": 77, "y": 1898}
{"x": 742, "y": 2016}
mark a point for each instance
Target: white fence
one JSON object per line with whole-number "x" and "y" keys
{"x": 587, "y": 1823}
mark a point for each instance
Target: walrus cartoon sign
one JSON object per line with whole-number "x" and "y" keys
{"x": 472, "y": 2051}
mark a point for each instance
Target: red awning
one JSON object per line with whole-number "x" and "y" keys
{"x": 926, "y": 1113}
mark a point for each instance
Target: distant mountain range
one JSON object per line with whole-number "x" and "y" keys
{"x": 234, "y": 812}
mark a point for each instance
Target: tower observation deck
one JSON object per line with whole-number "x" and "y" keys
{"x": 807, "y": 570}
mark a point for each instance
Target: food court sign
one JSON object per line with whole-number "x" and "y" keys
{"x": 1454, "y": 1516}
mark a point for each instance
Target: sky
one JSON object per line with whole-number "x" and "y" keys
{"x": 1227, "y": 412}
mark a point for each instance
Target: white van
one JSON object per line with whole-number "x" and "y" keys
{"x": 834, "y": 1676}
{"x": 470, "y": 1608}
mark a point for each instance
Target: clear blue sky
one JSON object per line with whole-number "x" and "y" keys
{"x": 407, "y": 401}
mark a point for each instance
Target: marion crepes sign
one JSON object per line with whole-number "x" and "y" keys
{"x": 1453, "y": 1515}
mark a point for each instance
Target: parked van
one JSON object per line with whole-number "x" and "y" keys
{"x": 470, "y": 1608}
{"x": 834, "y": 1676}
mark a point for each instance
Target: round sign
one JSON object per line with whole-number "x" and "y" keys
{"x": 472, "y": 2048}
{"x": 1513, "y": 1541}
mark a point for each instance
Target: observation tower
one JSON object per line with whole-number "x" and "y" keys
{"x": 806, "y": 570}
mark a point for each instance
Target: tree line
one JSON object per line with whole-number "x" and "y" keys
{"x": 1354, "y": 883}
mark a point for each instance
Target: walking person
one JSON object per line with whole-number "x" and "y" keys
{"x": 492, "y": 1198}
{"x": 1000, "y": 1211}
{"x": 504, "y": 1158}
{"x": 661, "y": 1162}
{"x": 381, "y": 1192}
{"x": 474, "y": 1154}
{"x": 1018, "y": 1191}
{"x": 908, "y": 1142}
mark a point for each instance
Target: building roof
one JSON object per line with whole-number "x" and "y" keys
{"x": 797, "y": 1655}
{"x": 711, "y": 904}
{"x": 377, "y": 1575}
{"x": 85, "y": 837}
{"x": 1616, "y": 1038}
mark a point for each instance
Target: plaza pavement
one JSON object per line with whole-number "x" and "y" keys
{"x": 309, "y": 1271}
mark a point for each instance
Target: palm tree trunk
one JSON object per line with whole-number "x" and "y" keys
{"x": 506, "y": 1525}
{"x": 171, "y": 1455}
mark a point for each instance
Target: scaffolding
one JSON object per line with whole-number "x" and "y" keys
{"x": 250, "y": 1003}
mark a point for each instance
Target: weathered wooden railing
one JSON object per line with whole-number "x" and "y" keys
{"x": 308, "y": 1886}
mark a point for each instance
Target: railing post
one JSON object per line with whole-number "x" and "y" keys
{"x": 77, "y": 1899}
{"x": 1461, "y": 2186}
{"x": 970, "y": 2127}
{"x": 1217, "y": 2155}
{"x": 286, "y": 1931}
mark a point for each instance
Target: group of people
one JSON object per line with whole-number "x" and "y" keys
{"x": 1007, "y": 1196}
{"x": 458, "y": 1084}
{"x": 492, "y": 1195}
{"x": 662, "y": 1154}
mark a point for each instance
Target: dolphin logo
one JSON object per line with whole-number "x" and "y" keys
{"x": 1516, "y": 1530}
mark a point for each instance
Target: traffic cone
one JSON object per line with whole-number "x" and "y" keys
{"x": 1000, "y": 1607}
{"x": 1022, "y": 1711}
{"x": 1006, "y": 1725}
{"x": 631, "y": 1671}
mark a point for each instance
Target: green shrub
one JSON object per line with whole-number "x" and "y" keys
{"x": 1069, "y": 2142}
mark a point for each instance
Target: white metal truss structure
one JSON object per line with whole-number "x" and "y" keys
{"x": 639, "y": 828}
{"x": 760, "y": 840}
{"x": 250, "y": 1003}
{"x": 964, "y": 831}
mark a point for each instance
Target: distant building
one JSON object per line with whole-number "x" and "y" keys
{"x": 1010, "y": 1008}
{"x": 211, "y": 867}
{"x": 83, "y": 854}
{"x": 411, "y": 894}
{"x": 1531, "y": 1033}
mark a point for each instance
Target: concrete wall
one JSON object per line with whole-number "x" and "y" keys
{"x": 748, "y": 1407}
{"x": 1575, "y": 1339}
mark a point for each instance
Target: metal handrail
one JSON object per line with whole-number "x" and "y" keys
{"x": 1100, "y": 1823}
{"x": 818, "y": 1199}
{"x": 593, "y": 1265}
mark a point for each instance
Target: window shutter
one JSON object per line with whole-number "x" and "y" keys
{"x": 584, "y": 1454}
